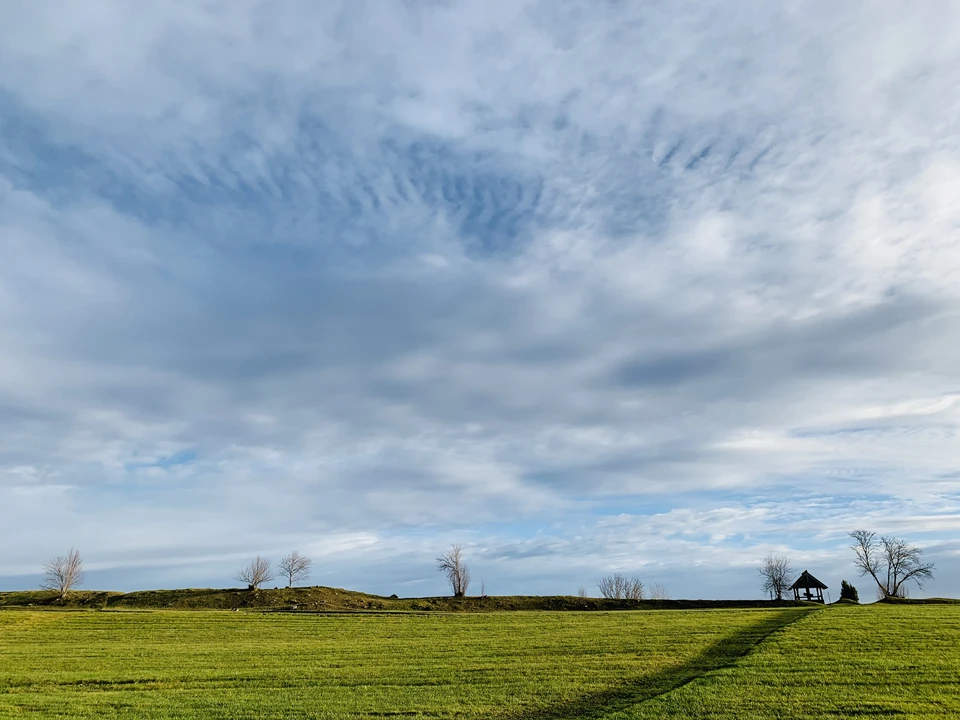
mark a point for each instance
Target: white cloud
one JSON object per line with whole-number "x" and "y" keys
{"x": 407, "y": 272}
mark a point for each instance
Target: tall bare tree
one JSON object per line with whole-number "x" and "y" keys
{"x": 776, "y": 573}
{"x": 890, "y": 561}
{"x": 620, "y": 587}
{"x": 452, "y": 565}
{"x": 63, "y": 573}
{"x": 295, "y": 567}
{"x": 256, "y": 573}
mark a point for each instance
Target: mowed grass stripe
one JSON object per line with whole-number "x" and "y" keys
{"x": 898, "y": 661}
{"x": 239, "y": 665}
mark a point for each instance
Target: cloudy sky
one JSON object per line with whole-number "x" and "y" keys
{"x": 654, "y": 287}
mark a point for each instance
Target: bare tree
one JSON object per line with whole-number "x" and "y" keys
{"x": 620, "y": 587}
{"x": 256, "y": 573}
{"x": 891, "y": 562}
{"x": 776, "y": 573}
{"x": 659, "y": 592}
{"x": 294, "y": 567}
{"x": 458, "y": 575}
{"x": 63, "y": 573}
{"x": 582, "y": 593}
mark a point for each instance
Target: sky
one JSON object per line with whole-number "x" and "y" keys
{"x": 650, "y": 287}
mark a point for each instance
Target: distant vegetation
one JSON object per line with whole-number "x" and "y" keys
{"x": 620, "y": 587}
{"x": 324, "y": 599}
{"x": 848, "y": 592}
{"x": 891, "y": 562}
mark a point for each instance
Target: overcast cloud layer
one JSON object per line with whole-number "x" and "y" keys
{"x": 653, "y": 287}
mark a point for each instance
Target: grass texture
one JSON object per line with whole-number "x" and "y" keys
{"x": 849, "y": 661}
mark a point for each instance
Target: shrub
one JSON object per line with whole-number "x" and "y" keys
{"x": 848, "y": 592}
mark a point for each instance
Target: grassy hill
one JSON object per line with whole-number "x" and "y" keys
{"x": 844, "y": 661}
{"x": 189, "y": 664}
{"x": 920, "y": 601}
{"x": 325, "y": 599}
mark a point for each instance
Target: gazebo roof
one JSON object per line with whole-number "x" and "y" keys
{"x": 807, "y": 581}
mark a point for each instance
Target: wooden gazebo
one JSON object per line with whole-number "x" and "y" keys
{"x": 812, "y": 588}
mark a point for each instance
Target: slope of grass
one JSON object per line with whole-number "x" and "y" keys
{"x": 847, "y": 661}
{"x": 325, "y": 599}
{"x": 919, "y": 601}
{"x": 517, "y": 666}
{"x": 45, "y": 598}
{"x": 897, "y": 660}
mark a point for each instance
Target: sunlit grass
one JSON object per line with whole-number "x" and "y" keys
{"x": 878, "y": 661}
{"x": 240, "y": 665}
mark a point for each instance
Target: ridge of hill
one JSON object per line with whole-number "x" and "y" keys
{"x": 919, "y": 601}
{"x": 326, "y": 599}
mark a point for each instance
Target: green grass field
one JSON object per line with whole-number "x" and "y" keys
{"x": 874, "y": 661}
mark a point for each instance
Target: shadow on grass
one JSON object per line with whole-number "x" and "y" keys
{"x": 721, "y": 654}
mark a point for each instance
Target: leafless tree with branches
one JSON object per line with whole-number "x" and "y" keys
{"x": 620, "y": 587}
{"x": 582, "y": 593}
{"x": 256, "y": 573}
{"x": 776, "y": 573}
{"x": 891, "y": 562}
{"x": 63, "y": 573}
{"x": 659, "y": 592}
{"x": 452, "y": 565}
{"x": 294, "y": 567}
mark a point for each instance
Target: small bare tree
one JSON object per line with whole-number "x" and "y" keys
{"x": 891, "y": 562}
{"x": 659, "y": 592}
{"x": 256, "y": 573}
{"x": 63, "y": 573}
{"x": 776, "y": 573}
{"x": 294, "y": 567}
{"x": 582, "y": 593}
{"x": 458, "y": 575}
{"x": 620, "y": 587}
